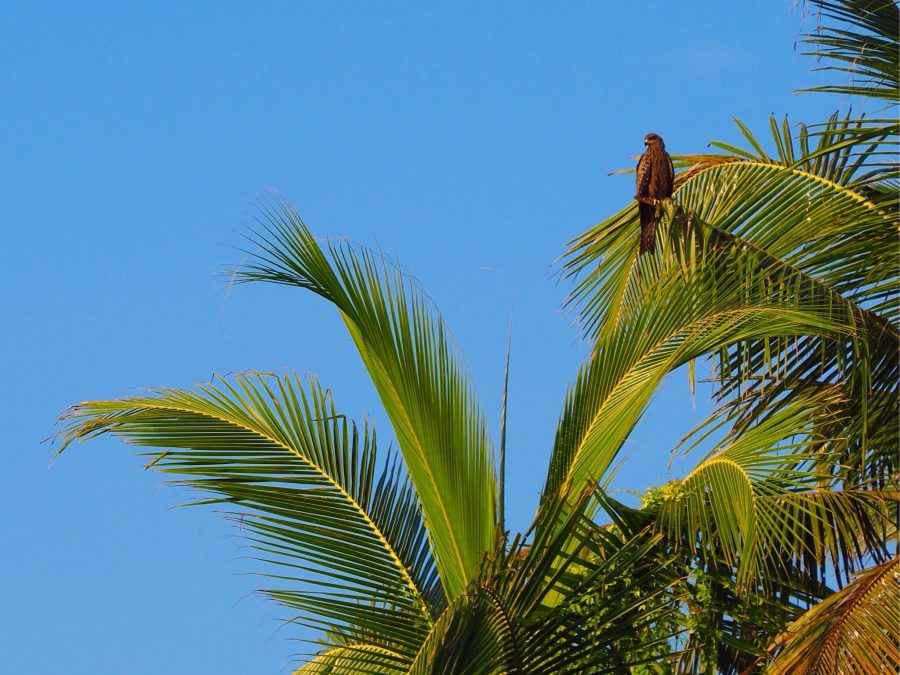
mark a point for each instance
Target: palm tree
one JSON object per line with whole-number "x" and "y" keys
{"x": 806, "y": 473}
{"x": 404, "y": 564}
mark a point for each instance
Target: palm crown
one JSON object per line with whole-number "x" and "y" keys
{"x": 781, "y": 267}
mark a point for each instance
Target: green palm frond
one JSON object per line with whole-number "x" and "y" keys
{"x": 857, "y": 153}
{"x": 727, "y": 631}
{"x": 853, "y": 631}
{"x": 858, "y": 38}
{"x": 758, "y": 504}
{"x": 423, "y": 385}
{"x": 471, "y": 637}
{"x": 840, "y": 240}
{"x": 843, "y": 234}
{"x": 723, "y": 627}
{"x": 614, "y": 609}
{"x": 692, "y": 300}
{"x": 852, "y": 255}
{"x": 311, "y": 493}
{"x": 593, "y": 599}
{"x": 354, "y": 659}
{"x": 547, "y": 607}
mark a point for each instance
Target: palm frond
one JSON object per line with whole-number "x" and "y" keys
{"x": 423, "y": 385}
{"x": 546, "y": 607}
{"x": 758, "y": 504}
{"x": 839, "y": 239}
{"x": 853, "y": 631}
{"x": 843, "y": 235}
{"x": 690, "y": 301}
{"x": 311, "y": 495}
{"x": 857, "y": 153}
{"x": 858, "y": 38}
{"x": 818, "y": 212}
{"x": 354, "y": 659}
{"x": 846, "y": 257}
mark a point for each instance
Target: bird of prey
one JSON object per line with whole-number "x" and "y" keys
{"x": 655, "y": 175}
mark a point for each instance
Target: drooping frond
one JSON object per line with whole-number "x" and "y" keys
{"x": 762, "y": 503}
{"x": 825, "y": 220}
{"x": 831, "y": 227}
{"x": 856, "y": 630}
{"x": 309, "y": 492}
{"x": 423, "y": 386}
{"x": 839, "y": 238}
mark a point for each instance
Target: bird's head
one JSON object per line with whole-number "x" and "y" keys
{"x": 652, "y": 138}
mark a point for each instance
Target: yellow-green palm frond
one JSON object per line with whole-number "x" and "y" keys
{"x": 339, "y": 525}
{"x": 424, "y": 387}
{"x": 698, "y": 295}
{"x": 855, "y": 630}
{"x": 353, "y": 659}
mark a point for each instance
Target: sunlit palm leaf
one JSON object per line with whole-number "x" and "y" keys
{"x": 842, "y": 235}
{"x": 842, "y": 240}
{"x": 852, "y": 254}
{"x": 424, "y": 387}
{"x": 690, "y": 301}
{"x": 854, "y": 631}
{"x": 312, "y": 495}
{"x": 354, "y": 659}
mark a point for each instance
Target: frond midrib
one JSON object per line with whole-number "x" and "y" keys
{"x": 651, "y": 349}
{"x": 354, "y": 331}
{"x": 836, "y": 633}
{"x": 774, "y": 166}
{"x": 407, "y": 577}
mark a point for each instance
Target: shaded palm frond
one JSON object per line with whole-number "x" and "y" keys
{"x": 760, "y": 505}
{"x": 423, "y": 385}
{"x": 722, "y": 627}
{"x": 312, "y": 496}
{"x": 546, "y": 607}
{"x": 853, "y": 631}
{"x": 727, "y": 632}
{"x": 594, "y": 599}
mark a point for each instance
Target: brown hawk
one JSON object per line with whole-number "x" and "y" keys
{"x": 655, "y": 176}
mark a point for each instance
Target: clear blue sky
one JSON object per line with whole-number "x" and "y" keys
{"x": 470, "y": 141}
